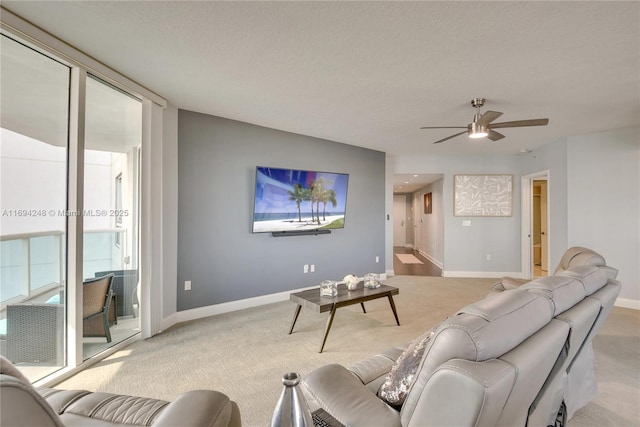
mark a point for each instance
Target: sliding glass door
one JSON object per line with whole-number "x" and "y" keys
{"x": 113, "y": 135}
{"x": 33, "y": 203}
{"x": 43, "y": 306}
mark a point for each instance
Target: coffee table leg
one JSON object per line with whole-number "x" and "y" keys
{"x": 295, "y": 317}
{"x": 328, "y": 327}
{"x": 393, "y": 307}
{"x": 363, "y": 310}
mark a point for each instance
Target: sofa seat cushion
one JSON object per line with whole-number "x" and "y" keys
{"x": 397, "y": 383}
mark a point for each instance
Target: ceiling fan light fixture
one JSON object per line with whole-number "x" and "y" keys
{"x": 477, "y": 131}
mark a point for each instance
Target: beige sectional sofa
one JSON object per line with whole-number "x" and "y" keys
{"x": 23, "y": 405}
{"x": 520, "y": 357}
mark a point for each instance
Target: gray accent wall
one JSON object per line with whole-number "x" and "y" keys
{"x": 217, "y": 251}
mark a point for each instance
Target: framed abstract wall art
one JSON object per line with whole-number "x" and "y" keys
{"x": 428, "y": 203}
{"x": 483, "y": 195}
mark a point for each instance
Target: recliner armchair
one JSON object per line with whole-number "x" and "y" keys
{"x": 24, "y": 405}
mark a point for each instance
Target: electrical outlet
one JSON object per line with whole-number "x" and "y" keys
{"x": 488, "y": 257}
{"x": 306, "y": 268}
{"x": 313, "y": 268}
{"x": 187, "y": 285}
{"x": 377, "y": 259}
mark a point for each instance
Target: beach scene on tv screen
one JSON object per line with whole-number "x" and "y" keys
{"x": 298, "y": 200}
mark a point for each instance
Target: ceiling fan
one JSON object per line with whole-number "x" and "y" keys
{"x": 482, "y": 125}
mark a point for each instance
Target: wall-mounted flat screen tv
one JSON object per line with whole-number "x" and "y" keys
{"x": 291, "y": 200}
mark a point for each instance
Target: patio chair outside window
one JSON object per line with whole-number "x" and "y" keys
{"x": 97, "y": 294}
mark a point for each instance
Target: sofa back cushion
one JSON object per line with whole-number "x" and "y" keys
{"x": 578, "y": 255}
{"x": 591, "y": 277}
{"x": 563, "y": 291}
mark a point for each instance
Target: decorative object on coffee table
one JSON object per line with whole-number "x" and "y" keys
{"x": 328, "y": 288}
{"x": 371, "y": 281}
{"x": 351, "y": 280}
{"x": 292, "y": 409}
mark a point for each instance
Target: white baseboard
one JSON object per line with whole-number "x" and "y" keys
{"x": 227, "y": 307}
{"x": 431, "y": 259}
{"x": 482, "y": 274}
{"x": 627, "y": 303}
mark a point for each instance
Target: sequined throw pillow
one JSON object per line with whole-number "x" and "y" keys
{"x": 396, "y": 385}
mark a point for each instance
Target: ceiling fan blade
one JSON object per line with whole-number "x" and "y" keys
{"x": 449, "y": 137}
{"x": 494, "y": 136}
{"x": 488, "y": 117}
{"x": 444, "y": 127}
{"x": 520, "y": 123}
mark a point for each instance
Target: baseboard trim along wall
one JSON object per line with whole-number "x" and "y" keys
{"x": 227, "y": 307}
{"x": 431, "y": 259}
{"x": 627, "y": 303}
{"x": 482, "y": 274}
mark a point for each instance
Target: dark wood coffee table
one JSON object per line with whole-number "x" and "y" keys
{"x": 312, "y": 300}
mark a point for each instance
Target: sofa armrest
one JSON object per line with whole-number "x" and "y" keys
{"x": 343, "y": 396}
{"x": 372, "y": 371}
{"x": 199, "y": 408}
{"x": 484, "y": 387}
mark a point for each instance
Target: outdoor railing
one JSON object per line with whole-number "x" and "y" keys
{"x": 33, "y": 263}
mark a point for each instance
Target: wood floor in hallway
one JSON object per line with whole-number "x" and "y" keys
{"x": 427, "y": 268}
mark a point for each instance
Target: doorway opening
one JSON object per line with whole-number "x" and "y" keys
{"x": 418, "y": 227}
{"x": 535, "y": 225}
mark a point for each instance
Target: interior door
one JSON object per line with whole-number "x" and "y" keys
{"x": 417, "y": 222}
{"x": 399, "y": 220}
{"x": 544, "y": 238}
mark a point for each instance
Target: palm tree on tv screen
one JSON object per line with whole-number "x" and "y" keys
{"x": 318, "y": 191}
{"x": 328, "y": 196}
{"x": 299, "y": 194}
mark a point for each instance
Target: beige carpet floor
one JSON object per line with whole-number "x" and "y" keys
{"x": 245, "y": 353}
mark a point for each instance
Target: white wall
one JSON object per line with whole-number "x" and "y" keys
{"x": 465, "y": 249}
{"x": 594, "y": 196}
{"x": 42, "y": 170}
{"x": 603, "y": 189}
{"x": 552, "y": 158}
{"x": 431, "y": 226}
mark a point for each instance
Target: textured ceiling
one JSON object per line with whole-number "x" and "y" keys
{"x": 372, "y": 73}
